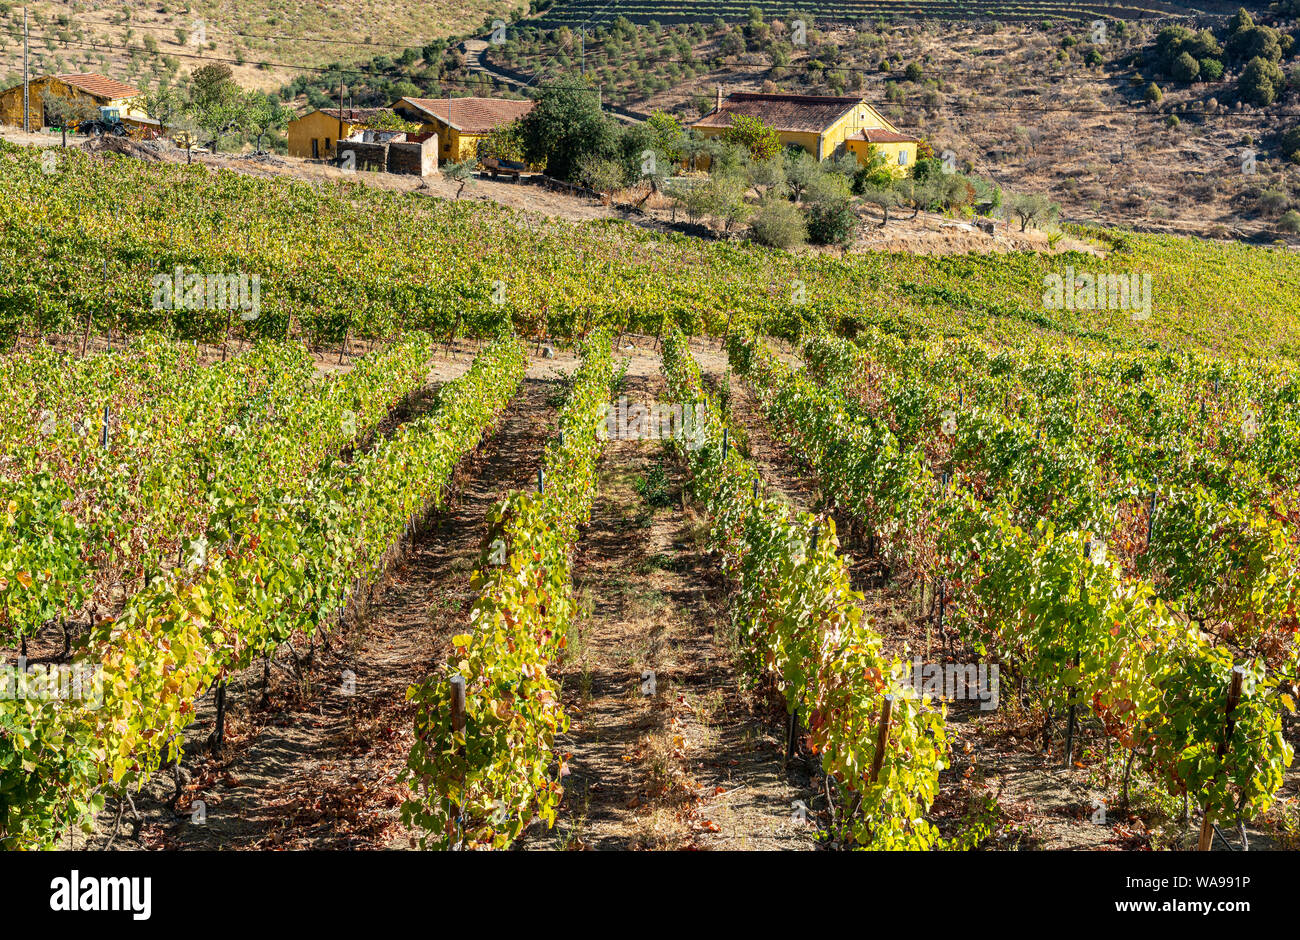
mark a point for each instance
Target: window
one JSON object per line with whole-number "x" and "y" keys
{"x": 902, "y": 158}
{"x": 327, "y": 143}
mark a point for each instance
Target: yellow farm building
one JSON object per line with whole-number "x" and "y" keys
{"x": 316, "y": 134}
{"x": 823, "y": 125}
{"x": 88, "y": 90}
{"x": 460, "y": 123}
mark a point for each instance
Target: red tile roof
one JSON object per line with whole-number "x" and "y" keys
{"x": 99, "y": 85}
{"x": 353, "y": 115}
{"x": 810, "y": 114}
{"x": 472, "y": 115}
{"x": 880, "y": 135}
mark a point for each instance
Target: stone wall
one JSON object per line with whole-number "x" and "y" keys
{"x": 368, "y": 156}
{"x": 414, "y": 159}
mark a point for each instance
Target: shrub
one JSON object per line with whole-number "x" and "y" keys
{"x": 1290, "y": 222}
{"x": 778, "y": 224}
{"x": 1186, "y": 68}
{"x": 1261, "y": 82}
{"x": 1211, "y": 69}
{"x": 602, "y": 174}
{"x": 1153, "y": 93}
{"x": 832, "y": 222}
{"x": 1273, "y": 201}
{"x": 1291, "y": 144}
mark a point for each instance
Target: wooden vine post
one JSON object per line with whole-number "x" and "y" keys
{"x": 1072, "y": 719}
{"x": 344, "y": 350}
{"x": 219, "y": 730}
{"x": 794, "y": 714}
{"x": 1234, "y": 697}
{"x": 1151, "y": 511}
{"x": 458, "y": 705}
{"x": 882, "y": 737}
{"x": 458, "y": 732}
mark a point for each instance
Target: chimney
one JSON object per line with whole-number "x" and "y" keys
{"x": 719, "y": 105}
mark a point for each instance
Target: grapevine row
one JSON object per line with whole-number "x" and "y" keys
{"x": 804, "y": 626}
{"x": 1050, "y": 601}
{"x": 481, "y": 775}
{"x": 282, "y": 559}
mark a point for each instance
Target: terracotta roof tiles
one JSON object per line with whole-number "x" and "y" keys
{"x": 99, "y": 85}
{"x": 472, "y": 115}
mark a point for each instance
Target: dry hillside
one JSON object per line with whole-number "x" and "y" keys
{"x": 75, "y": 36}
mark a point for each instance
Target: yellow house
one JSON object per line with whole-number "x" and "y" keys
{"x": 898, "y": 149}
{"x": 91, "y": 90}
{"x": 460, "y": 123}
{"x": 824, "y": 125}
{"x": 317, "y": 134}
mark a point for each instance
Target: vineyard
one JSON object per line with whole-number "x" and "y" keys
{"x": 340, "y": 263}
{"x": 382, "y": 561}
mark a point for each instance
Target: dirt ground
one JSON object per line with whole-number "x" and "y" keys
{"x": 1001, "y": 777}
{"x": 696, "y": 764}
{"x": 671, "y": 746}
{"x": 314, "y": 763}
{"x": 670, "y": 749}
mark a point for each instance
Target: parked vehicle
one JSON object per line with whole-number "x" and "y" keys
{"x": 498, "y": 167}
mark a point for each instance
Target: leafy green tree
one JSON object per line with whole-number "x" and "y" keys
{"x": 217, "y": 103}
{"x": 874, "y": 174}
{"x": 1186, "y": 68}
{"x": 460, "y": 173}
{"x": 164, "y": 104}
{"x": 66, "y": 112}
{"x": 1291, "y": 144}
{"x": 1033, "y": 209}
{"x": 1255, "y": 42}
{"x": 264, "y": 115}
{"x": 565, "y": 126}
{"x": 601, "y": 174}
{"x": 754, "y": 134}
{"x": 724, "y": 195}
{"x": 668, "y": 135}
{"x": 832, "y": 222}
{"x": 801, "y": 169}
{"x": 883, "y": 198}
{"x": 505, "y": 143}
{"x": 768, "y": 177}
